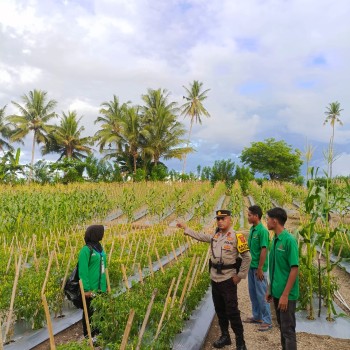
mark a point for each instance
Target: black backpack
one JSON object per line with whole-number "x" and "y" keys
{"x": 72, "y": 288}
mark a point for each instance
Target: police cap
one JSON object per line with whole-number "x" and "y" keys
{"x": 223, "y": 213}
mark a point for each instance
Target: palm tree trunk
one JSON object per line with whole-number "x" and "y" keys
{"x": 32, "y": 162}
{"x": 331, "y": 153}
{"x": 188, "y": 142}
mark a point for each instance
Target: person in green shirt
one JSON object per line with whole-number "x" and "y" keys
{"x": 284, "y": 280}
{"x": 258, "y": 242}
{"x": 92, "y": 265}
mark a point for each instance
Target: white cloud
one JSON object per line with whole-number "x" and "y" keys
{"x": 272, "y": 66}
{"x": 341, "y": 166}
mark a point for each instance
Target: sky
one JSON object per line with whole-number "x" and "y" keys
{"x": 272, "y": 66}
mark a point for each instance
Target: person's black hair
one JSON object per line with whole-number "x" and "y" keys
{"x": 256, "y": 210}
{"x": 93, "y": 236}
{"x": 279, "y": 214}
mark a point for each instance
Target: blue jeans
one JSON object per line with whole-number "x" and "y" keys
{"x": 257, "y": 292}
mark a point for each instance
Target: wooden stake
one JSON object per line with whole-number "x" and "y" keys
{"x": 47, "y": 273}
{"x": 127, "y": 330}
{"x": 144, "y": 323}
{"x": 193, "y": 275}
{"x": 165, "y": 308}
{"x": 9, "y": 318}
{"x": 66, "y": 274}
{"x": 187, "y": 280}
{"x": 140, "y": 273}
{"x": 137, "y": 249}
{"x": 122, "y": 251}
{"x": 9, "y": 261}
{"x": 48, "y": 322}
{"x": 87, "y": 321}
{"x": 159, "y": 262}
{"x": 125, "y": 277}
{"x": 110, "y": 253}
{"x": 150, "y": 264}
{"x": 174, "y": 251}
{"x": 108, "y": 281}
{"x": 205, "y": 261}
{"x": 177, "y": 286}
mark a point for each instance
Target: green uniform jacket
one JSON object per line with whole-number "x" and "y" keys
{"x": 258, "y": 238}
{"x": 284, "y": 254}
{"x": 90, "y": 273}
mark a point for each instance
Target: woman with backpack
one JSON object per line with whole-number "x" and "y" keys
{"x": 92, "y": 269}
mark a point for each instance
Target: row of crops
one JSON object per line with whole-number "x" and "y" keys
{"x": 44, "y": 227}
{"x": 36, "y": 260}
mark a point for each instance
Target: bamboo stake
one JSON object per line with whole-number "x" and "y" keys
{"x": 56, "y": 258}
{"x": 9, "y": 318}
{"x": 159, "y": 262}
{"x": 47, "y": 273}
{"x": 125, "y": 278}
{"x": 140, "y": 272}
{"x": 9, "y": 261}
{"x": 174, "y": 252}
{"x": 66, "y": 273}
{"x": 177, "y": 286}
{"x": 108, "y": 281}
{"x": 167, "y": 299}
{"x": 86, "y": 314}
{"x": 122, "y": 251}
{"x": 193, "y": 275}
{"x": 127, "y": 330}
{"x": 48, "y": 322}
{"x": 144, "y": 323}
{"x": 150, "y": 264}
{"x": 205, "y": 261}
{"x": 187, "y": 280}
{"x": 137, "y": 249}
{"x": 111, "y": 252}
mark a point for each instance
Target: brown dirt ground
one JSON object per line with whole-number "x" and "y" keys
{"x": 254, "y": 339}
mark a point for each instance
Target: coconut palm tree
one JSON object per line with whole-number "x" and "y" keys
{"x": 163, "y": 133}
{"x": 194, "y": 108}
{"x": 66, "y": 139}
{"x": 5, "y": 132}
{"x": 33, "y": 116}
{"x": 332, "y": 116}
{"x": 112, "y": 114}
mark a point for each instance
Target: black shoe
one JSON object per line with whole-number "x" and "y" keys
{"x": 222, "y": 341}
{"x": 241, "y": 347}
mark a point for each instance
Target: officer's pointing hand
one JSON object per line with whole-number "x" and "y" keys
{"x": 181, "y": 225}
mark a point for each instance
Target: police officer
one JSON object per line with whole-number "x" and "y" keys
{"x": 226, "y": 271}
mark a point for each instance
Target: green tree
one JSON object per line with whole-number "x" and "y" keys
{"x": 10, "y": 167}
{"x": 244, "y": 176}
{"x": 5, "y": 132}
{"x": 194, "y": 108}
{"x": 34, "y": 116}
{"x": 66, "y": 138}
{"x": 332, "y": 116}
{"x": 163, "y": 134}
{"x": 112, "y": 115}
{"x": 273, "y": 158}
{"x": 223, "y": 170}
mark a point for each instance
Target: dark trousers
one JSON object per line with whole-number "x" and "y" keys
{"x": 226, "y": 307}
{"x": 287, "y": 323}
{"x": 90, "y": 313}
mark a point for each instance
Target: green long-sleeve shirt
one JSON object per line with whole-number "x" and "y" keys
{"x": 89, "y": 273}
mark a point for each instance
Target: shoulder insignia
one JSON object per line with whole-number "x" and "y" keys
{"x": 242, "y": 245}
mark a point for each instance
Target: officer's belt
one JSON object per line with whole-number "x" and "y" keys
{"x": 223, "y": 267}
